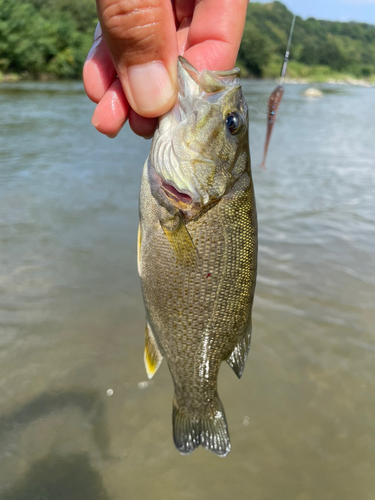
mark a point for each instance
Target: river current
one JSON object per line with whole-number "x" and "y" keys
{"x": 78, "y": 417}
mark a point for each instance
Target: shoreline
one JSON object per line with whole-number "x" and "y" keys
{"x": 345, "y": 80}
{"x": 332, "y": 81}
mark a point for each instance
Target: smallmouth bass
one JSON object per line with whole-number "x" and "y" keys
{"x": 197, "y": 249}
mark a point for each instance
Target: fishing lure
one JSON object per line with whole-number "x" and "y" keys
{"x": 276, "y": 97}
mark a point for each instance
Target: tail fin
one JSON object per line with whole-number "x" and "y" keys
{"x": 211, "y": 432}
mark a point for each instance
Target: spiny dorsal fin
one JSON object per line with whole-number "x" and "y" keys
{"x": 152, "y": 356}
{"x": 238, "y": 357}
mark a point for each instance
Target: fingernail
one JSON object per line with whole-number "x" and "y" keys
{"x": 151, "y": 88}
{"x": 95, "y": 120}
{"x": 92, "y": 51}
{"x": 95, "y": 42}
{"x": 98, "y": 32}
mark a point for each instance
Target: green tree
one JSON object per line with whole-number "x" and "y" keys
{"x": 335, "y": 46}
{"x": 53, "y": 37}
{"x": 255, "y": 50}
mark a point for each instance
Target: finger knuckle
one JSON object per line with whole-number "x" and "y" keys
{"x": 133, "y": 22}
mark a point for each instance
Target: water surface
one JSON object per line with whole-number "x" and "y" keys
{"x": 72, "y": 320}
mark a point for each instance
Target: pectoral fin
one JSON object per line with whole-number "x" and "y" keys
{"x": 238, "y": 357}
{"x": 152, "y": 356}
{"x": 180, "y": 240}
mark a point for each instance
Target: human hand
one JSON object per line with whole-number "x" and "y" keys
{"x": 139, "y": 40}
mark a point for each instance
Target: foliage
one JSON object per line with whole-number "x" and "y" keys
{"x": 49, "y": 37}
{"x": 321, "y": 47}
{"x": 255, "y": 50}
{"x": 52, "y": 38}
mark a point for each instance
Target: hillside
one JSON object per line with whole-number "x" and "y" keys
{"x": 320, "y": 49}
{"x": 51, "y": 38}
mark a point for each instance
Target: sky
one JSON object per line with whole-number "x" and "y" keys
{"x": 334, "y": 10}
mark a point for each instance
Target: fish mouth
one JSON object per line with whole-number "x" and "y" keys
{"x": 183, "y": 201}
{"x": 186, "y": 205}
{"x": 176, "y": 195}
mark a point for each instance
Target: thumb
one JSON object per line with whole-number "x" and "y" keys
{"x": 141, "y": 37}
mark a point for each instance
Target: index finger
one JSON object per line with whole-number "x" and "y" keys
{"x": 215, "y": 34}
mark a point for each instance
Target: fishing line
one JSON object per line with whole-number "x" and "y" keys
{"x": 276, "y": 96}
{"x": 257, "y": 110}
{"x": 287, "y": 53}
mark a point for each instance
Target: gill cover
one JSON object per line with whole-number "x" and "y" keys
{"x": 193, "y": 149}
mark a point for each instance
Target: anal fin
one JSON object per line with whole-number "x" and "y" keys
{"x": 238, "y": 356}
{"x": 152, "y": 355}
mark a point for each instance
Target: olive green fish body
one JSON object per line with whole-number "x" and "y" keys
{"x": 197, "y": 263}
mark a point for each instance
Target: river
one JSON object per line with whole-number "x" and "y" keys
{"x": 78, "y": 418}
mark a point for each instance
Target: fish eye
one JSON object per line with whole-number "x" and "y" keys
{"x": 234, "y": 122}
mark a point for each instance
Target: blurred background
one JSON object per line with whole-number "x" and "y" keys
{"x": 78, "y": 417}
{"x": 49, "y": 39}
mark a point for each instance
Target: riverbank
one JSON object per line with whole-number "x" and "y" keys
{"x": 26, "y": 77}
{"x": 333, "y": 81}
{"x": 342, "y": 80}
{"x": 302, "y": 74}
{"x": 10, "y": 77}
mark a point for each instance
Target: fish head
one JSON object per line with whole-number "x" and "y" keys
{"x": 201, "y": 146}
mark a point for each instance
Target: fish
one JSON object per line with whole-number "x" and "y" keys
{"x": 197, "y": 250}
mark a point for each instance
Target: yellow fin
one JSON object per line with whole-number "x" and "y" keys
{"x": 180, "y": 240}
{"x": 152, "y": 357}
{"x": 139, "y": 241}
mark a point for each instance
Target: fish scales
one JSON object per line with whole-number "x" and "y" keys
{"x": 198, "y": 304}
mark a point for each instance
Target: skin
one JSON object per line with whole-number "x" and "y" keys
{"x": 133, "y": 33}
